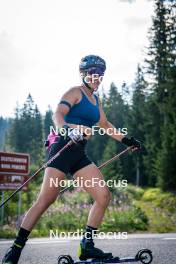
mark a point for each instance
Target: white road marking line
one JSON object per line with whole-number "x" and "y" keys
{"x": 169, "y": 238}
{"x": 37, "y": 242}
{"x": 48, "y": 241}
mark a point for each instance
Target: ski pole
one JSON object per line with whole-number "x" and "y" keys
{"x": 115, "y": 157}
{"x": 103, "y": 165}
{"x": 38, "y": 171}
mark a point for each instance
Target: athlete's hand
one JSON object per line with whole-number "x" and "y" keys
{"x": 75, "y": 135}
{"x": 131, "y": 142}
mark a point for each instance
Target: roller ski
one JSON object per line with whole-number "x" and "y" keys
{"x": 143, "y": 256}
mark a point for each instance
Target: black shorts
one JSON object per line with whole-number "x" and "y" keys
{"x": 71, "y": 159}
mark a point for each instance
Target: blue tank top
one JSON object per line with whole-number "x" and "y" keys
{"x": 84, "y": 113}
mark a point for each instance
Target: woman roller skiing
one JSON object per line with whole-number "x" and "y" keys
{"x": 79, "y": 107}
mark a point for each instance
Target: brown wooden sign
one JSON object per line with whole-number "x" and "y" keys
{"x": 14, "y": 163}
{"x": 12, "y": 181}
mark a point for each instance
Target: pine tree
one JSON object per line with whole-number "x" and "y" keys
{"x": 152, "y": 140}
{"x": 118, "y": 113}
{"x": 37, "y": 143}
{"x": 97, "y": 143}
{"x": 14, "y": 136}
{"x": 48, "y": 121}
{"x": 138, "y": 120}
{"x": 161, "y": 143}
{"x": 166, "y": 160}
{"x": 112, "y": 171}
{"x": 26, "y": 133}
{"x": 4, "y": 127}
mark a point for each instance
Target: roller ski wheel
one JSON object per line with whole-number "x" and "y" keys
{"x": 144, "y": 256}
{"x": 65, "y": 259}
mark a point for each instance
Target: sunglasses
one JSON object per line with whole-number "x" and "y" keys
{"x": 94, "y": 70}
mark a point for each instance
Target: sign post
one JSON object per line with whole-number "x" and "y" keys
{"x": 2, "y": 209}
{"x": 14, "y": 163}
{"x": 19, "y": 205}
{"x": 14, "y": 170}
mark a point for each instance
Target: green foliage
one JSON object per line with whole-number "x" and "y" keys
{"x": 118, "y": 113}
{"x": 161, "y": 199}
{"x": 7, "y": 232}
{"x": 135, "y": 193}
{"x": 151, "y": 194}
{"x": 70, "y": 214}
{"x": 166, "y": 158}
{"x": 160, "y": 209}
{"x": 4, "y": 126}
{"x": 131, "y": 209}
{"x": 130, "y": 219}
{"x": 160, "y": 117}
{"x": 48, "y": 121}
{"x": 26, "y": 132}
{"x": 114, "y": 170}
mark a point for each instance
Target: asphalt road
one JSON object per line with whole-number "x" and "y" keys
{"x": 46, "y": 251}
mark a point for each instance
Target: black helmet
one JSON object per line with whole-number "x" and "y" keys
{"x": 92, "y": 61}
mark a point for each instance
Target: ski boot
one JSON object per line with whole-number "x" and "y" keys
{"x": 88, "y": 251}
{"x": 13, "y": 253}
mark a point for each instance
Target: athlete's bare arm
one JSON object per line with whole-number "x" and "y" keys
{"x": 71, "y": 96}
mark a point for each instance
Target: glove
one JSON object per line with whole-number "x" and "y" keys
{"x": 131, "y": 142}
{"x": 75, "y": 135}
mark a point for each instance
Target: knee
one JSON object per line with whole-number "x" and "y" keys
{"x": 104, "y": 199}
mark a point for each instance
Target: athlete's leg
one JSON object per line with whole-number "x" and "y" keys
{"x": 99, "y": 193}
{"x": 47, "y": 196}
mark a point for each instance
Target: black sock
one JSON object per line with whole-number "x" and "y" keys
{"x": 89, "y": 233}
{"x": 23, "y": 233}
{"x": 21, "y": 237}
